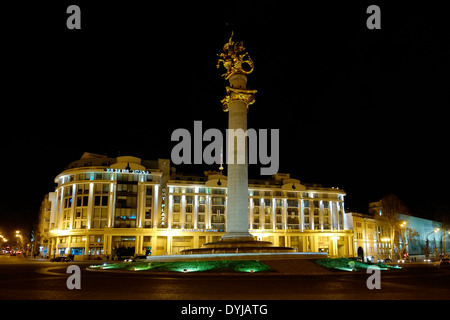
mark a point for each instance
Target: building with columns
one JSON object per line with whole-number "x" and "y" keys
{"x": 128, "y": 206}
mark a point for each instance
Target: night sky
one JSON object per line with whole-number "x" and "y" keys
{"x": 362, "y": 110}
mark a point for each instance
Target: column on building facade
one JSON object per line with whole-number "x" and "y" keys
{"x": 60, "y": 199}
{"x": 315, "y": 243}
{"x": 153, "y": 244}
{"x": 301, "y": 214}
{"x": 208, "y": 212}
{"x": 72, "y": 209}
{"x": 168, "y": 213}
{"x": 351, "y": 252}
{"x": 90, "y": 205}
{"x": 58, "y": 241}
{"x": 155, "y": 207}
{"x": 169, "y": 244}
{"x": 196, "y": 241}
{"x": 68, "y": 244}
{"x": 262, "y": 213}
{"x": 142, "y": 192}
{"x": 250, "y": 212}
{"x": 139, "y": 244}
{"x": 330, "y": 206}
{"x": 111, "y": 205}
{"x": 334, "y": 215}
{"x": 195, "y": 212}
{"x": 183, "y": 211}
{"x": 86, "y": 246}
{"x": 337, "y": 215}
{"x": 321, "y": 214}
{"x": 106, "y": 244}
{"x": 274, "y": 218}
{"x": 304, "y": 243}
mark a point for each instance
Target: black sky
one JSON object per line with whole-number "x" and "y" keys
{"x": 362, "y": 110}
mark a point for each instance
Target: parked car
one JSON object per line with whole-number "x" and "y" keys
{"x": 140, "y": 258}
{"x": 60, "y": 259}
{"x": 445, "y": 263}
{"x": 135, "y": 258}
{"x": 125, "y": 258}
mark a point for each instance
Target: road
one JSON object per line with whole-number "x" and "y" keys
{"x": 22, "y": 278}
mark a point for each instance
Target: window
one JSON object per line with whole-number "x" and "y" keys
{"x": 218, "y": 191}
{"x": 218, "y": 218}
{"x": 218, "y": 200}
{"x": 292, "y": 194}
{"x": 83, "y": 189}
{"x": 126, "y": 201}
{"x": 218, "y": 210}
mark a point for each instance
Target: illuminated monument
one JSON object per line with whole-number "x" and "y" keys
{"x": 236, "y": 103}
{"x": 237, "y": 237}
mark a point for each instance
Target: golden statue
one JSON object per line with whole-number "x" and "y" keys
{"x": 234, "y": 57}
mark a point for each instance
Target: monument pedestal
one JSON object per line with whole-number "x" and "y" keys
{"x": 244, "y": 245}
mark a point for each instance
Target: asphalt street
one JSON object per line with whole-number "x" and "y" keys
{"x": 24, "y": 278}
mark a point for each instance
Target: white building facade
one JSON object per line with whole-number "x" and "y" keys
{"x": 106, "y": 207}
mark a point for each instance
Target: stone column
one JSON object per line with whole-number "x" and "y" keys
{"x": 237, "y": 175}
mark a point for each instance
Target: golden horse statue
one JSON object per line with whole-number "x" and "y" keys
{"x": 234, "y": 57}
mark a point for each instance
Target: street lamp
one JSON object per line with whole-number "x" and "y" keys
{"x": 428, "y": 242}
{"x": 403, "y": 234}
{"x": 443, "y": 244}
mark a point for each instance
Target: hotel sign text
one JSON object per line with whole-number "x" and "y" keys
{"x": 126, "y": 171}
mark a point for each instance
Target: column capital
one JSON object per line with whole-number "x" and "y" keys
{"x": 235, "y": 94}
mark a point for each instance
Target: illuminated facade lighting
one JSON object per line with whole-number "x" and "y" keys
{"x": 101, "y": 204}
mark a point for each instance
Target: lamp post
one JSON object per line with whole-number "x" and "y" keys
{"x": 19, "y": 240}
{"x": 386, "y": 240}
{"x": 428, "y": 242}
{"x": 443, "y": 243}
{"x": 403, "y": 234}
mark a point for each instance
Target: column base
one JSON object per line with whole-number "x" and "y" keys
{"x": 237, "y": 236}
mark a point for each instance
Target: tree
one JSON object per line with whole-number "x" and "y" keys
{"x": 392, "y": 209}
{"x": 442, "y": 216}
{"x": 411, "y": 235}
